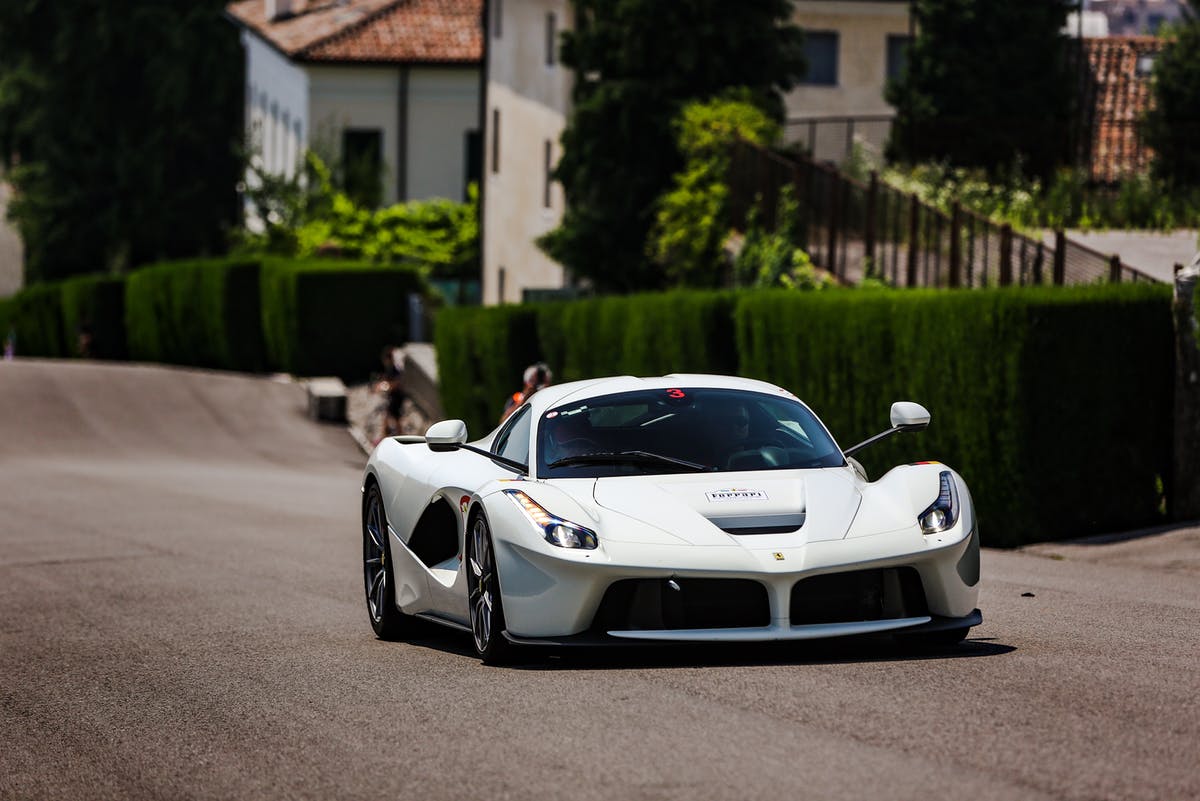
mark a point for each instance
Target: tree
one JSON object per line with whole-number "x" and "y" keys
{"x": 1172, "y": 127}
{"x": 987, "y": 84}
{"x": 121, "y": 123}
{"x": 636, "y": 63}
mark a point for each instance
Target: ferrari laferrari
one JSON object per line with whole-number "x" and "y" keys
{"x": 679, "y": 509}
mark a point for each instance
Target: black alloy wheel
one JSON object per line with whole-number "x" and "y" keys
{"x": 483, "y": 596}
{"x": 386, "y": 618}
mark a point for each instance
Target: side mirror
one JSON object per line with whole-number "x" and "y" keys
{"x": 446, "y": 435}
{"x": 906, "y": 416}
{"x": 909, "y": 416}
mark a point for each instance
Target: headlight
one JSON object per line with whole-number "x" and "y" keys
{"x": 556, "y": 530}
{"x": 942, "y": 513}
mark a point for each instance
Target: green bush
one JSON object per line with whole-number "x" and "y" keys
{"x": 1032, "y": 391}
{"x": 97, "y": 303}
{"x": 333, "y": 318}
{"x": 202, "y": 313}
{"x": 35, "y": 317}
{"x": 482, "y": 353}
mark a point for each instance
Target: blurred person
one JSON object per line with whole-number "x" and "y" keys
{"x": 536, "y": 376}
{"x": 391, "y": 382}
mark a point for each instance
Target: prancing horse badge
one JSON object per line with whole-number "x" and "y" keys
{"x": 778, "y": 556}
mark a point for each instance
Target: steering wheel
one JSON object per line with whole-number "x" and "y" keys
{"x": 577, "y": 447}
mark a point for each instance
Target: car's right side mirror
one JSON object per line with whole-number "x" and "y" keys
{"x": 446, "y": 435}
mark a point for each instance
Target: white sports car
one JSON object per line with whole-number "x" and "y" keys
{"x": 688, "y": 508}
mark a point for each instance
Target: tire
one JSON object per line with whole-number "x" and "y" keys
{"x": 388, "y": 622}
{"x": 483, "y": 596}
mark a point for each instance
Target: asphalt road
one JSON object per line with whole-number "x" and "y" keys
{"x": 180, "y": 617}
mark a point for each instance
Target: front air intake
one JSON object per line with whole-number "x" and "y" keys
{"x": 682, "y": 603}
{"x": 880, "y": 594}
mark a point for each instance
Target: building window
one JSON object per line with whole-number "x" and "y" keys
{"x": 551, "y": 39}
{"x": 495, "y": 140}
{"x": 500, "y": 286}
{"x": 362, "y": 165}
{"x": 897, "y": 55}
{"x": 497, "y": 16}
{"x": 547, "y": 168}
{"x": 472, "y": 160}
{"x": 821, "y": 52}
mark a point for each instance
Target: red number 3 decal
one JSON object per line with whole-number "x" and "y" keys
{"x": 675, "y": 393}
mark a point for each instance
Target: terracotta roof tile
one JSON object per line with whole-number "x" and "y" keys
{"x": 437, "y": 31}
{"x": 1120, "y": 96}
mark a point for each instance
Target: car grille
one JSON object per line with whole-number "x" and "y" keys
{"x": 879, "y": 594}
{"x": 652, "y": 604}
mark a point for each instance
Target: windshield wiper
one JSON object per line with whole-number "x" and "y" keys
{"x": 637, "y": 457}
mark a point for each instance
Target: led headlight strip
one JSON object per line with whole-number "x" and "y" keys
{"x": 556, "y": 531}
{"x": 942, "y": 513}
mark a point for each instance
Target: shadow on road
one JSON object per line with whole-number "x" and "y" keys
{"x": 880, "y": 648}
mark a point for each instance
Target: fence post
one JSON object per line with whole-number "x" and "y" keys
{"x": 1006, "y": 266}
{"x": 914, "y": 211}
{"x": 834, "y": 222}
{"x": 1038, "y": 260}
{"x": 1114, "y": 269}
{"x": 869, "y": 222}
{"x": 955, "y": 246}
{"x": 1060, "y": 257}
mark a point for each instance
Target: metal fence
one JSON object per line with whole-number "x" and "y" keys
{"x": 857, "y": 230}
{"x": 833, "y": 138}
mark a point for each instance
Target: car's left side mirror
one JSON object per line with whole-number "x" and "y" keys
{"x": 909, "y": 416}
{"x": 446, "y": 435}
{"x": 906, "y": 416}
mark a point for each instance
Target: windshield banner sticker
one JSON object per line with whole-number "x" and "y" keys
{"x": 723, "y": 495}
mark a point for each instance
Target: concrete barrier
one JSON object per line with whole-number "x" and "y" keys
{"x": 326, "y": 399}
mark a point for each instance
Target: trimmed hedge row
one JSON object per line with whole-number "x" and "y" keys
{"x": 318, "y": 317}
{"x": 334, "y": 318}
{"x": 482, "y": 352}
{"x": 204, "y": 313}
{"x": 1034, "y": 392}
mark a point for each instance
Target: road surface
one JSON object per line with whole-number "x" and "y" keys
{"x": 181, "y": 618}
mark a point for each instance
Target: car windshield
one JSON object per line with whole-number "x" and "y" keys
{"x": 681, "y": 430}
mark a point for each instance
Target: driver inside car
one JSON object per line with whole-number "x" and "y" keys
{"x": 569, "y": 435}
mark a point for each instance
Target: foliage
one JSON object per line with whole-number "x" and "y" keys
{"x": 1019, "y": 381}
{"x": 637, "y": 63}
{"x": 483, "y": 351}
{"x": 331, "y": 317}
{"x": 771, "y": 258}
{"x": 692, "y": 220}
{"x": 35, "y": 318}
{"x": 1067, "y": 201}
{"x": 201, "y": 313}
{"x": 987, "y": 84}
{"x": 122, "y": 151}
{"x": 1172, "y": 127}
{"x": 308, "y": 217}
{"x": 95, "y": 305}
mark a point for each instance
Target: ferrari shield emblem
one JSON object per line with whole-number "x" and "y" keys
{"x": 778, "y": 556}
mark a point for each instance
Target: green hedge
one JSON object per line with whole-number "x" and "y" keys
{"x": 203, "y": 313}
{"x": 35, "y": 316}
{"x": 333, "y": 318}
{"x": 1054, "y": 404}
{"x": 96, "y": 302}
{"x": 482, "y": 352}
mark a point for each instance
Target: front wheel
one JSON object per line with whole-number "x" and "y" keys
{"x": 486, "y": 610}
{"x": 386, "y": 618}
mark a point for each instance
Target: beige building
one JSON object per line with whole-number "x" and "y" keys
{"x": 852, "y": 47}
{"x": 393, "y": 84}
{"x": 528, "y": 97}
{"x": 12, "y": 253}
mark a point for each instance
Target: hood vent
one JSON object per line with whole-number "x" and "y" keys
{"x": 759, "y": 524}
